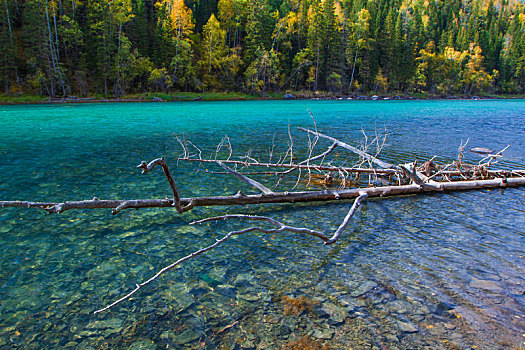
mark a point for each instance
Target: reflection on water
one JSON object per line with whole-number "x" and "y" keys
{"x": 436, "y": 271}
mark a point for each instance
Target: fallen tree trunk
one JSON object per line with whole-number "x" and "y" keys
{"x": 404, "y": 179}
{"x": 274, "y": 197}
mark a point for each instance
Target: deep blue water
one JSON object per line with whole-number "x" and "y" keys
{"x": 438, "y": 271}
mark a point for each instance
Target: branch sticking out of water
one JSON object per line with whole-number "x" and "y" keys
{"x": 146, "y": 168}
{"x": 176, "y": 196}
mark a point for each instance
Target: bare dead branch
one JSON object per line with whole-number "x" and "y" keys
{"x": 197, "y": 148}
{"x": 246, "y": 179}
{"x": 419, "y": 178}
{"x": 474, "y": 177}
{"x": 492, "y": 157}
{"x": 275, "y": 197}
{"x": 280, "y": 228}
{"x": 296, "y": 166}
{"x": 355, "y": 206}
{"x": 311, "y": 146}
{"x": 289, "y": 152}
{"x": 167, "y": 268}
{"x": 249, "y": 158}
{"x": 147, "y": 168}
{"x": 319, "y": 156}
{"x": 183, "y": 145}
{"x": 270, "y": 152}
{"x": 225, "y": 142}
{"x": 461, "y": 149}
{"x": 380, "y": 163}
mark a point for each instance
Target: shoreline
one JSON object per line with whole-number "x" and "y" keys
{"x": 194, "y": 97}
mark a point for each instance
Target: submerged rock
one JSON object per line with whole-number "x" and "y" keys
{"x": 325, "y": 333}
{"x": 112, "y": 323}
{"x": 490, "y": 286}
{"x": 226, "y": 290}
{"x": 363, "y": 289}
{"x": 187, "y": 336}
{"x": 243, "y": 280}
{"x": 143, "y": 345}
{"x": 181, "y": 295}
{"x": 247, "y": 344}
{"x": 443, "y": 307}
{"x": 406, "y": 327}
{"x": 249, "y": 296}
{"x": 335, "y": 313}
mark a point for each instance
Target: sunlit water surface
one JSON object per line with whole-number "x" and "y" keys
{"x": 433, "y": 271}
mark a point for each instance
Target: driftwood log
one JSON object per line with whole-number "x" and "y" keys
{"x": 263, "y": 198}
{"x": 401, "y": 179}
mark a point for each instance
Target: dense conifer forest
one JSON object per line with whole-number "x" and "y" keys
{"x": 117, "y": 47}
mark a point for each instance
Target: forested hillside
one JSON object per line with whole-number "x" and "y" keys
{"x": 83, "y": 47}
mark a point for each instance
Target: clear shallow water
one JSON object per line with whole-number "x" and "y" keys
{"x": 437, "y": 271}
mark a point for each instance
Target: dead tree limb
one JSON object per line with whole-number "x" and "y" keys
{"x": 322, "y": 155}
{"x": 145, "y": 169}
{"x": 475, "y": 177}
{"x": 280, "y": 228}
{"x": 505, "y": 173}
{"x": 275, "y": 197}
{"x": 294, "y": 166}
{"x": 492, "y": 157}
{"x": 379, "y": 162}
{"x": 355, "y": 206}
{"x": 419, "y": 178}
{"x": 246, "y": 179}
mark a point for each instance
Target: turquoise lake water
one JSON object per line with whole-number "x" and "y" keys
{"x": 436, "y": 271}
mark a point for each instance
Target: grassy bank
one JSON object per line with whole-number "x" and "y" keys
{"x": 16, "y": 99}
{"x": 221, "y": 96}
{"x": 145, "y": 97}
{"x": 206, "y": 96}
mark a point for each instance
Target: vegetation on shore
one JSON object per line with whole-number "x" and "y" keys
{"x": 138, "y": 97}
{"x": 437, "y": 47}
{"x": 226, "y": 96}
{"x": 120, "y": 47}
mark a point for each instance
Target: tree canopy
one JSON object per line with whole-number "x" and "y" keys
{"x": 442, "y": 47}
